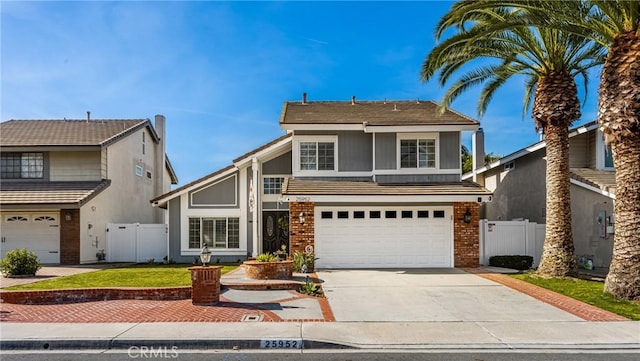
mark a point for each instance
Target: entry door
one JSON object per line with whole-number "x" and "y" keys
{"x": 275, "y": 231}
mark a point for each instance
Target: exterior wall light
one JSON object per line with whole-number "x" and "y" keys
{"x": 205, "y": 255}
{"x": 67, "y": 217}
{"x": 467, "y": 216}
{"x": 301, "y": 217}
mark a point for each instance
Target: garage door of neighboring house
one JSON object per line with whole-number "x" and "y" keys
{"x": 384, "y": 237}
{"x": 37, "y": 232}
{"x": 134, "y": 242}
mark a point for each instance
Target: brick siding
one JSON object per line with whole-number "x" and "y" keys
{"x": 466, "y": 236}
{"x": 301, "y": 235}
{"x": 70, "y": 236}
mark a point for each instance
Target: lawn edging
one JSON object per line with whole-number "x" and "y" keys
{"x": 76, "y": 295}
{"x": 576, "y": 307}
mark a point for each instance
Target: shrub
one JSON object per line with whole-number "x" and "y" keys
{"x": 20, "y": 262}
{"x": 303, "y": 262}
{"x": 514, "y": 262}
{"x": 267, "y": 257}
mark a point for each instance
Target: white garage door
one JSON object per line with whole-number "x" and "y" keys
{"x": 37, "y": 232}
{"x": 384, "y": 237}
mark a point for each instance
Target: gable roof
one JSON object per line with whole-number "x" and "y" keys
{"x": 27, "y": 133}
{"x": 237, "y": 163}
{"x": 530, "y": 149}
{"x": 374, "y": 113}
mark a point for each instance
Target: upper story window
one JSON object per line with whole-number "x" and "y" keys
{"x": 608, "y": 157}
{"x": 22, "y": 165}
{"x": 316, "y": 154}
{"x": 419, "y": 152}
{"x": 272, "y": 185}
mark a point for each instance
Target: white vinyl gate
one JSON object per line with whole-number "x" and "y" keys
{"x": 506, "y": 238}
{"x": 134, "y": 242}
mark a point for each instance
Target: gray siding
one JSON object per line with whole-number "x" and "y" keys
{"x": 579, "y": 151}
{"x": 450, "y": 150}
{"x": 520, "y": 192}
{"x": 275, "y": 206}
{"x": 355, "y": 152}
{"x": 418, "y": 178}
{"x": 386, "y": 151}
{"x": 278, "y": 165}
{"x": 174, "y": 232}
{"x": 585, "y": 207}
{"x": 220, "y": 195}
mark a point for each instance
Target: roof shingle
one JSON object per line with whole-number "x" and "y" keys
{"x": 319, "y": 187}
{"x": 384, "y": 113}
{"x": 30, "y": 193}
{"x": 23, "y": 133}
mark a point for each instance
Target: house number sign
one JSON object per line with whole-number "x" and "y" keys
{"x": 281, "y": 343}
{"x": 303, "y": 199}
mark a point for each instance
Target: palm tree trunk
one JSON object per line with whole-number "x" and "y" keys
{"x": 558, "y": 259}
{"x": 623, "y": 279}
{"x": 619, "y": 118}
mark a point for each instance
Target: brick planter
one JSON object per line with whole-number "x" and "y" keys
{"x": 282, "y": 270}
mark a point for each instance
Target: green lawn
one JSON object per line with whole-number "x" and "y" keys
{"x": 142, "y": 275}
{"x": 591, "y": 292}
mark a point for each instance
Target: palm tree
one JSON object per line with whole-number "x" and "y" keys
{"x": 617, "y": 27}
{"x": 549, "y": 60}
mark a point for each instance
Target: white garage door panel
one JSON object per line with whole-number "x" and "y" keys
{"x": 37, "y": 232}
{"x": 383, "y": 242}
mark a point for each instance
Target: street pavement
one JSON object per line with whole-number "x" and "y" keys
{"x": 373, "y": 309}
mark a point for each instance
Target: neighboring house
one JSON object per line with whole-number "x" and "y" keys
{"x": 518, "y": 184}
{"x": 63, "y": 181}
{"x": 361, "y": 184}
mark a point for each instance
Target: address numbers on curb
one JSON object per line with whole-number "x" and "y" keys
{"x": 281, "y": 343}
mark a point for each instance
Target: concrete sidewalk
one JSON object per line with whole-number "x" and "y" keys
{"x": 579, "y": 335}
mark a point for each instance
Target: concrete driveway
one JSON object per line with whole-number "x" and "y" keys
{"x": 429, "y": 295}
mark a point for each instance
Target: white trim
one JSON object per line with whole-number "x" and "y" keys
{"x": 592, "y": 188}
{"x": 600, "y": 150}
{"x": 420, "y": 128}
{"x": 266, "y": 153}
{"x": 525, "y": 151}
{"x": 322, "y": 127}
{"x": 417, "y": 136}
{"x": 196, "y": 186}
{"x": 295, "y": 155}
{"x": 447, "y": 198}
{"x": 257, "y": 207}
{"x": 235, "y": 186}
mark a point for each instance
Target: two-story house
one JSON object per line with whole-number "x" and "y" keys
{"x": 360, "y": 183}
{"x": 64, "y": 180}
{"x": 519, "y": 187}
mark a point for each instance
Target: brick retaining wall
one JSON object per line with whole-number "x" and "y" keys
{"x": 43, "y": 297}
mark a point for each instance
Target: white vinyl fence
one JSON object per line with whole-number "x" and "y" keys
{"x": 135, "y": 242}
{"x": 506, "y": 238}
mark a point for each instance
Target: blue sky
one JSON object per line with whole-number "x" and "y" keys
{"x": 220, "y": 71}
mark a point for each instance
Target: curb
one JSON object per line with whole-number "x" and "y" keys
{"x": 58, "y": 345}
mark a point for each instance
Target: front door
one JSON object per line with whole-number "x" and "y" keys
{"x": 275, "y": 231}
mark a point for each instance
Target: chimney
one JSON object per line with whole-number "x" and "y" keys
{"x": 304, "y": 98}
{"x": 160, "y": 156}
{"x": 88, "y": 116}
{"x": 477, "y": 151}
{"x": 353, "y": 100}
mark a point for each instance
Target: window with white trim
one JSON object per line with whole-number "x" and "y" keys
{"x": 216, "y": 232}
{"x": 22, "y": 165}
{"x": 272, "y": 185}
{"x": 317, "y": 156}
{"x": 417, "y": 153}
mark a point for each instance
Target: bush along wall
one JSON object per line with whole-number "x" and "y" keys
{"x": 520, "y": 263}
